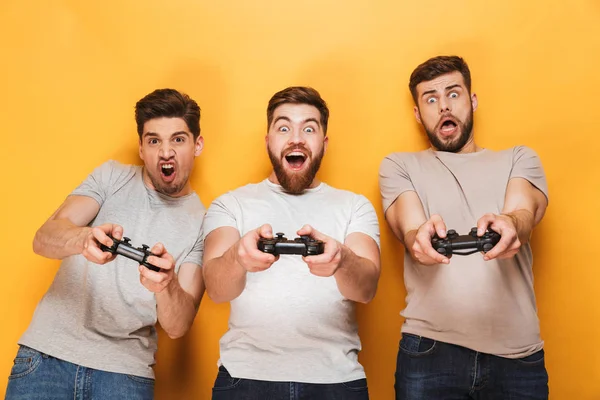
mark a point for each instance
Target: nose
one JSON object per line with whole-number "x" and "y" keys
{"x": 166, "y": 151}
{"x": 296, "y": 136}
{"x": 444, "y": 105}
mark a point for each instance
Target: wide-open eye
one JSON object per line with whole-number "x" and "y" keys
{"x": 309, "y": 129}
{"x": 431, "y": 100}
{"x": 453, "y": 95}
{"x": 283, "y": 128}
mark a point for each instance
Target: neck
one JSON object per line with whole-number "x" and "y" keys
{"x": 470, "y": 147}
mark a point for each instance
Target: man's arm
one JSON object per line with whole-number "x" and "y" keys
{"x": 524, "y": 207}
{"x": 66, "y": 232}
{"x": 354, "y": 264}
{"x": 359, "y": 269}
{"x": 227, "y": 259}
{"x": 406, "y": 218}
{"x": 178, "y": 295}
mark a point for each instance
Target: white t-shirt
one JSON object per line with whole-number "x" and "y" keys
{"x": 287, "y": 324}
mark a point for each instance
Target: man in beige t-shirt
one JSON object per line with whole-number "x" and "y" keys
{"x": 471, "y": 328}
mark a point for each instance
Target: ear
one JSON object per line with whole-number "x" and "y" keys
{"x": 474, "y": 101}
{"x": 140, "y": 150}
{"x": 198, "y": 146}
{"x": 325, "y": 141}
{"x": 267, "y": 141}
{"x": 418, "y": 115}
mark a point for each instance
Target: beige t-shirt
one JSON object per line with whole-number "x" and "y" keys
{"x": 487, "y": 306}
{"x": 100, "y": 316}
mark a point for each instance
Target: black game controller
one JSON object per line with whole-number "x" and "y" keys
{"x": 123, "y": 248}
{"x": 470, "y": 242}
{"x": 304, "y": 245}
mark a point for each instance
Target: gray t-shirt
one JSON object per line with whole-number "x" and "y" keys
{"x": 487, "y": 306}
{"x": 100, "y": 316}
{"x": 290, "y": 325}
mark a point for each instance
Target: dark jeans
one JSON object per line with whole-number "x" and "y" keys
{"x": 228, "y": 388}
{"x": 37, "y": 376}
{"x": 431, "y": 370}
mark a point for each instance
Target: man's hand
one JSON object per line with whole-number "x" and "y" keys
{"x": 325, "y": 264}
{"x": 155, "y": 281}
{"x": 247, "y": 253}
{"x": 421, "y": 250}
{"x": 506, "y": 226}
{"x": 94, "y": 236}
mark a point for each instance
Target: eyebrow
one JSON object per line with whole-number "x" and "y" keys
{"x": 456, "y": 85}
{"x": 154, "y": 134}
{"x": 282, "y": 117}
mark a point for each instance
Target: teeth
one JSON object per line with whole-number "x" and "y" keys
{"x": 167, "y": 166}
{"x": 296, "y": 153}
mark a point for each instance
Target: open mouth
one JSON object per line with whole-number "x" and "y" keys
{"x": 167, "y": 169}
{"x": 448, "y": 126}
{"x": 296, "y": 159}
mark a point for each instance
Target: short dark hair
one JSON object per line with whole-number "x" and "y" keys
{"x": 435, "y": 67}
{"x": 299, "y": 95}
{"x": 168, "y": 103}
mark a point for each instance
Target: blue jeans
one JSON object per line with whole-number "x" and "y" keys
{"x": 36, "y": 375}
{"x": 427, "y": 369}
{"x": 228, "y": 388}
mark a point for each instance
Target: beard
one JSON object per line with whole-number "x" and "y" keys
{"x": 168, "y": 189}
{"x": 454, "y": 145}
{"x": 296, "y": 182}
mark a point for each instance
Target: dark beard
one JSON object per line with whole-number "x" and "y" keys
{"x": 168, "y": 190}
{"x": 466, "y": 128}
{"x": 296, "y": 183}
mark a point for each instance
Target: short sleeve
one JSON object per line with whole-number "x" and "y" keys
{"x": 364, "y": 218}
{"x": 527, "y": 165}
{"x": 393, "y": 179}
{"x": 224, "y": 211}
{"x": 105, "y": 180}
{"x": 195, "y": 255}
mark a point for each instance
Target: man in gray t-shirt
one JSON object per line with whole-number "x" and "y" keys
{"x": 92, "y": 334}
{"x": 292, "y": 327}
{"x": 471, "y": 328}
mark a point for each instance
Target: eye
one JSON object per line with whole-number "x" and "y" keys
{"x": 153, "y": 141}
{"x": 431, "y": 100}
{"x": 309, "y": 129}
{"x": 453, "y": 95}
{"x": 179, "y": 139}
{"x": 284, "y": 129}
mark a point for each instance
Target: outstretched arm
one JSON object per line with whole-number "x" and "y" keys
{"x": 67, "y": 232}
{"x": 406, "y": 217}
{"x": 524, "y": 207}
{"x": 227, "y": 259}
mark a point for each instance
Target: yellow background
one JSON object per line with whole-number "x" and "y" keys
{"x": 72, "y": 71}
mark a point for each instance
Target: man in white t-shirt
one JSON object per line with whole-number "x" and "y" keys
{"x": 292, "y": 328}
{"x": 471, "y": 329}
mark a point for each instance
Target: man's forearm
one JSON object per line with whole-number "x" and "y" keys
{"x": 356, "y": 277}
{"x": 60, "y": 238}
{"x": 524, "y": 222}
{"x": 224, "y": 277}
{"x": 176, "y": 310}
